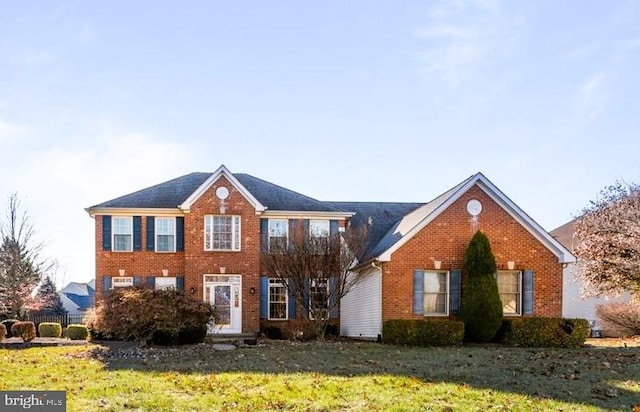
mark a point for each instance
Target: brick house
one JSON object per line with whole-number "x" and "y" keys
{"x": 204, "y": 233}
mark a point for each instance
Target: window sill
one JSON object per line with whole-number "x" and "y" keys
{"x": 277, "y": 320}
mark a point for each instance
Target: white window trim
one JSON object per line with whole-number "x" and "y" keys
{"x": 324, "y": 222}
{"x": 155, "y": 234}
{"x": 113, "y": 233}
{"x": 519, "y": 302}
{"x": 127, "y": 281}
{"x": 327, "y": 310}
{"x": 277, "y": 283}
{"x": 286, "y": 229}
{"x": 446, "y": 293}
{"x": 236, "y": 233}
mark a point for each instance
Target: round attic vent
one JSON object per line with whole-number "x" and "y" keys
{"x": 474, "y": 207}
{"x": 222, "y": 193}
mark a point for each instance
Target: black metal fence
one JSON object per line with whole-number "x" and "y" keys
{"x": 64, "y": 320}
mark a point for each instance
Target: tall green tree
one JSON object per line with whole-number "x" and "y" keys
{"x": 481, "y": 309}
{"x": 21, "y": 265}
{"x": 47, "y": 300}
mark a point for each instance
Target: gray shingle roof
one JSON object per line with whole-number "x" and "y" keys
{"x": 275, "y": 197}
{"x": 174, "y": 192}
{"x": 169, "y": 194}
{"x": 380, "y": 218}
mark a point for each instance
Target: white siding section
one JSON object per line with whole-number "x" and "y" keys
{"x": 574, "y": 306}
{"x": 361, "y": 308}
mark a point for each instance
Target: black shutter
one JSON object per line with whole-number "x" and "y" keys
{"x": 106, "y": 232}
{"x": 180, "y": 234}
{"x": 137, "y": 233}
{"x": 151, "y": 233}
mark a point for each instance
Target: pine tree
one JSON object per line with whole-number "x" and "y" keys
{"x": 481, "y": 309}
{"x": 47, "y": 300}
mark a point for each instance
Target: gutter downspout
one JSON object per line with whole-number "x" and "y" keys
{"x": 373, "y": 265}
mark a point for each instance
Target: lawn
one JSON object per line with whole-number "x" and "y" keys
{"x": 328, "y": 376}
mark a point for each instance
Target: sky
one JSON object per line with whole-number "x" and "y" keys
{"x": 338, "y": 100}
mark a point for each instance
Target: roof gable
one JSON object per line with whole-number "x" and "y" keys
{"x": 222, "y": 171}
{"x": 414, "y": 222}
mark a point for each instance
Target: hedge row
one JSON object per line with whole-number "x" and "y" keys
{"x": 418, "y": 332}
{"x": 528, "y": 332}
{"x": 544, "y": 332}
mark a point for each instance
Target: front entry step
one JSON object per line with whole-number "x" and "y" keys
{"x": 247, "y": 338}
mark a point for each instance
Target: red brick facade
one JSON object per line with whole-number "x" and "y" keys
{"x": 446, "y": 238}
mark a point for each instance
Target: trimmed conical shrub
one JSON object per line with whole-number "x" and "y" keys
{"x": 481, "y": 309}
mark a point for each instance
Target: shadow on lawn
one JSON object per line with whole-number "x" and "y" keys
{"x": 570, "y": 375}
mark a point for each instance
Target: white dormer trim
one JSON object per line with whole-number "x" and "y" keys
{"x": 562, "y": 253}
{"x": 221, "y": 171}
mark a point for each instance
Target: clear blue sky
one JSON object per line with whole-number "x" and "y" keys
{"x": 357, "y": 100}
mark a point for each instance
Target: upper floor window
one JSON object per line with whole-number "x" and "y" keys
{"x": 122, "y": 234}
{"x": 277, "y": 300}
{"x": 278, "y": 234}
{"x": 165, "y": 234}
{"x": 510, "y": 289}
{"x": 436, "y": 293}
{"x": 318, "y": 228}
{"x": 222, "y": 232}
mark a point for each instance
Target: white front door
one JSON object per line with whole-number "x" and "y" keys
{"x": 223, "y": 292}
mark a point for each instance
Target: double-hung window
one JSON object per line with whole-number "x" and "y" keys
{"x": 165, "y": 234}
{"x": 318, "y": 228}
{"x": 222, "y": 232}
{"x": 122, "y": 234}
{"x": 436, "y": 293}
{"x": 319, "y": 299}
{"x": 510, "y": 290}
{"x": 278, "y": 234}
{"x": 278, "y": 309}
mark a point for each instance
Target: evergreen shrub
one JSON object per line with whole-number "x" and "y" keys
{"x": 544, "y": 332}
{"x": 419, "y": 332}
{"x": 50, "y": 330}
{"x": 481, "y": 308}
{"x": 77, "y": 332}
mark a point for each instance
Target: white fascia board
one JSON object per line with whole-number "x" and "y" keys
{"x": 386, "y": 255}
{"x": 222, "y": 171}
{"x": 121, "y": 211}
{"x": 286, "y": 214}
{"x": 563, "y": 254}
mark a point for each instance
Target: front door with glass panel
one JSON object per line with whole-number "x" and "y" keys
{"x": 223, "y": 293}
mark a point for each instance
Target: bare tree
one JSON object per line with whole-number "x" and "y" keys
{"x": 21, "y": 266}
{"x": 607, "y": 242}
{"x": 316, "y": 270}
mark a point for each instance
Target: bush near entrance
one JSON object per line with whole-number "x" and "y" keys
{"x": 148, "y": 316}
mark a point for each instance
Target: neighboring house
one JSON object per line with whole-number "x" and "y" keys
{"x": 78, "y": 298}
{"x": 573, "y": 304}
{"x": 204, "y": 233}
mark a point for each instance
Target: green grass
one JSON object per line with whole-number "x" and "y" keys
{"x": 330, "y": 376}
